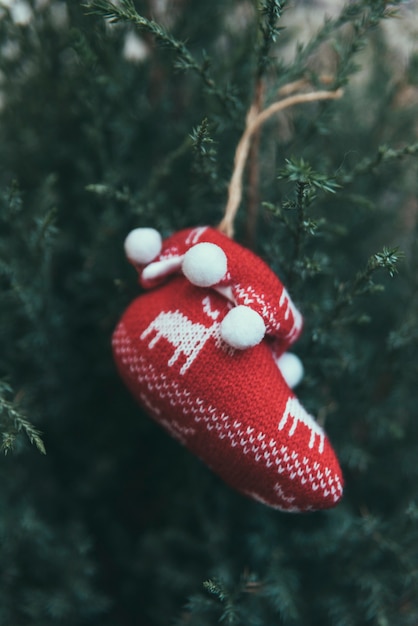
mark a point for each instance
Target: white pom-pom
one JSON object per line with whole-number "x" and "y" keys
{"x": 142, "y": 245}
{"x": 291, "y": 368}
{"x": 205, "y": 264}
{"x": 242, "y": 328}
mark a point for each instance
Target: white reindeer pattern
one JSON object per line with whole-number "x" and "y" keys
{"x": 294, "y": 410}
{"x": 187, "y": 337}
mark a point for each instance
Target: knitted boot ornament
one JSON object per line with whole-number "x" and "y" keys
{"x": 203, "y": 351}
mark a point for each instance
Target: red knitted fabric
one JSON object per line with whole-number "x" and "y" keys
{"x": 232, "y": 408}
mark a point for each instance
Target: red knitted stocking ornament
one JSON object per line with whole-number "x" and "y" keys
{"x": 202, "y": 352}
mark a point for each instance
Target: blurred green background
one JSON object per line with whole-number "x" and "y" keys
{"x": 121, "y": 115}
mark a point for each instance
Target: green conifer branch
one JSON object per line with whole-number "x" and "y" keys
{"x": 205, "y": 163}
{"x": 385, "y": 154}
{"x": 106, "y": 191}
{"x": 231, "y": 610}
{"x": 363, "y": 284}
{"x": 33, "y": 245}
{"x": 62, "y": 352}
{"x": 144, "y": 200}
{"x": 13, "y": 422}
{"x": 216, "y": 588}
{"x": 307, "y": 182}
{"x": 161, "y": 172}
{"x": 45, "y": 229}
{"x": 364, "y": 16}
{"x": 270, "y": 13}
{"x": 202, "y": 141}
{"x": 126, "y": 12}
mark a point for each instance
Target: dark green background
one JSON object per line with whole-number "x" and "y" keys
{"x": 118, "y": 525}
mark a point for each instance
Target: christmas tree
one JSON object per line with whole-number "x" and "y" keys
{"x": 117, "y": 115}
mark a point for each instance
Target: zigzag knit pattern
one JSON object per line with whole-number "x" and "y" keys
{"x": 232, "y": 408}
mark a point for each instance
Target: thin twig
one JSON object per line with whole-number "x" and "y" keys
{"x": 297, "y": 85}
{"x": 235, "y": 186}
{"x": 254, "y": 122}
{"x": 290, "y": 88}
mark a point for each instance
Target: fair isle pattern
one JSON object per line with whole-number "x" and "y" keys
{"x": 249, "y": 297}
{"x": 295, "y": 411}
{"x": 249, "y": 281}
{"x": 187, "y": 337}
{"x": 232, "y": 408}
{"x": 283, "y": 470}
{"x": 195, "y": 235}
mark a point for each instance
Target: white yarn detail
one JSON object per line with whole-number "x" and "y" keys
{"x": 249, "y": 296}
{"x": 295, "y": 411}
{"x": 186, "y": 337}
{"x": 195, "y": 234}
{"x": 253, "y": 443}
{"x": 162, "y": 268}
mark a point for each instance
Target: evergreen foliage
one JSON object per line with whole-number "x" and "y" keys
{"x": 117, "y": 524}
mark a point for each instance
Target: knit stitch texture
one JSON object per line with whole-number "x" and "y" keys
{"x": 232, "y": 408}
